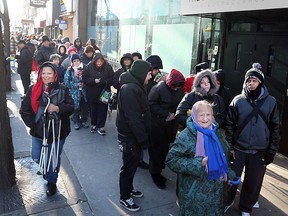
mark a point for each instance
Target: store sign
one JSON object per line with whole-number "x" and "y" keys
{"x": 66, "y": 6}
{"x": 38, "y": 3}
{"x": 191, "y": 7}
{"x": 63, "y": 24}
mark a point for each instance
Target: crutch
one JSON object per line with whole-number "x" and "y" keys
{"x": 44, "y": 149}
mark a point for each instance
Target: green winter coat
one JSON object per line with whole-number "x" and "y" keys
{"x": 197, "y": 195}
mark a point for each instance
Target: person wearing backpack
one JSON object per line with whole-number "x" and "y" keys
{"x": 253, "y": 134}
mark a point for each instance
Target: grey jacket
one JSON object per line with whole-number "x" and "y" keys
{"x": 256, "y": 135}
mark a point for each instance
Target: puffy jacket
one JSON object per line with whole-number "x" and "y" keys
{"x": 90, "y": 73}
{"x": 256, "y": 135}
{"x": 24, "y": 61}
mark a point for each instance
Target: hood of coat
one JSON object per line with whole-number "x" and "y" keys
{"x": 65, "y": 49}
{"x": 137, "y": 73}
{"x": 213, "y": 83}
{"x": 77, "y": 39}
{"x": 174, "y": 78}
{"x": 96, "y": 57}
{"x": 128, "y": 56}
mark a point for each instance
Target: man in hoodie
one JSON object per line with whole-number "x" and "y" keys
{"x": 133, "y": 123}
{"x": 78, "y": 45}
{"x": 24, "y": 64}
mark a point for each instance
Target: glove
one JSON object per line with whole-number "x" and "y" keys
{"x": 268, "y": 158}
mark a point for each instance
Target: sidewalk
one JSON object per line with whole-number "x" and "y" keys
{"x": 88, "y": 183}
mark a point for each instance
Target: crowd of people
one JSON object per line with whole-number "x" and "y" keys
{"x": 193, "y": 125}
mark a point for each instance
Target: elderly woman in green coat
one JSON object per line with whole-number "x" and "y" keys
{"x": 198, "y": 155}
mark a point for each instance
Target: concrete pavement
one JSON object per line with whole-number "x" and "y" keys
{"x": 88, "y": 184}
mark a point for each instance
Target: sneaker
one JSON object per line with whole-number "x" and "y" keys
{"x": 101, "y": 131}
{"x": 245, "y": 214}
{"x": 227, "y": 207}
{"x": 129, "y": 205}
{"x": 93, "y": 129}
{"x": 76, "y": 125}
{"x": 256, "y": 205}
{"x": 51, "y": 189}
{"x": 137, "y": 194}
{"x": 85, "y": 125}
{"x": 142, "y": 164}
{"x": 158, "y": 181}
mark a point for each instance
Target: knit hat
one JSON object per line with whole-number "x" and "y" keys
{"x": 175, "y": 78}
{"x": 75, "y": 56}
{"x": 255, "y": 72}
{"x": 155, "y": 61}
{"x": 71, "y": 49}
{"x": 45, "y": 38}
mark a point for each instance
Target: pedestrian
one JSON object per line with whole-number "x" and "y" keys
{"x": 67, "y": 62}
{"x": 97, "y": 76}
{"x": 125, "y": 62}
{"x": 133, "y": 125}
{"x": 136, "y": 55}
{"x": 24, "y": 60}
{"x": 92, "y": 42}
{"x": 45, "y": 51}
{"x": 199, "y": 156}
{"x": 78, "y": 45}
{"x": 204, "y": 88}
{"x": 36, "y": 112}
{"x": 156, "y": 63}
{"x": 73, "y": 80}
{"x": 55, "y": 59}
{"x": 223, "y": 91}
{"x": 87, "y": 55}
{"x": 62, "y": 51}
{"x": 163, "y": 101}
{"x": 253, "y": 134}
{"x": 190, "y": 80}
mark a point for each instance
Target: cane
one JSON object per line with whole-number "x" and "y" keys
{"x": 57, "y": 152}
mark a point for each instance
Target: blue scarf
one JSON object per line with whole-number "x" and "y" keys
{"x": 217, "y": 163}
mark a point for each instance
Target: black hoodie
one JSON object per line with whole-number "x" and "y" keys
{"x": 133, "y": 121}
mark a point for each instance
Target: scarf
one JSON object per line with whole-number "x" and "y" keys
{"x": 208, "y": 144}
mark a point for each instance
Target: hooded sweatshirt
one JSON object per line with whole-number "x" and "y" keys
{"x": 116, "y": 83}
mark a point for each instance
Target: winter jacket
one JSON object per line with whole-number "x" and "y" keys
{"x": 62, "y": 99}
{"x": 61, "y": 72}
{"x": 43, "y": 54}
{"x": 24, "y": 61}
{"x": 91, "y": 72}
{"x": 197, "y": 195}
{"x": 85, "y": 60}
{"x": 116, "y": 83}
{"x": 66, "y": 63}
{"x": 256, "y": 135}
{"x": 71, "y": 81}
{"x": 133, "y": 115}
{"x": 197, "y": 94}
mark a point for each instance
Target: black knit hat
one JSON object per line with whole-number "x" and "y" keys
{"x": 75, "y": 56}
{"x": 45, "y": 38}
{"x": 155, "y": 61}
{"x": 255, "y": 72}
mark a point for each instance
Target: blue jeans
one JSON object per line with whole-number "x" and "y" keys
{"x": 51, "y": 176}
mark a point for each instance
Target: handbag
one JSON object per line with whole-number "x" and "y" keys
{"x": 105, "y": 95}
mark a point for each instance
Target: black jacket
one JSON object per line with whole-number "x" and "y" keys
{"x": 24, "y": 61}
{"x": 90, "y": 73}
{"x": 133, "y": 115}
{"x": 44, "y": 53}
{"x": 256, "y": 135}
{"x": 197, "y": 94}
{"x": 66, "y": 108}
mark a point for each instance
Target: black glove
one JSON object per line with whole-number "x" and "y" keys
{"x": 268, "y": 158}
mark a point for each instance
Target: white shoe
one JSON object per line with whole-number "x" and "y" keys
{"x": 227, "y": 207}
{"x": 245, "y": 214}
{"x": 256, "y": 205}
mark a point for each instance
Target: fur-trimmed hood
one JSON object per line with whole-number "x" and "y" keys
{"x": 213, "y": 82}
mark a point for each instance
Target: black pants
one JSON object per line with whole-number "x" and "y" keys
{"x": 131, "y": 151}
{"x": 25, "y": 78}
{"x": 253, "y": 178}
{"x": 98, "y": 114}
{"x": 80, "y": 115}
{"x": 160, "y": 138}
